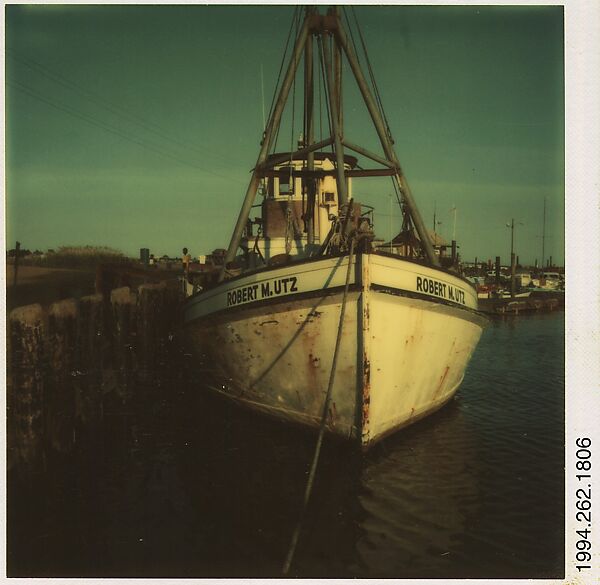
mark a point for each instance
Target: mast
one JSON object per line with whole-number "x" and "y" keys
{"x": 309, "y": 134}
{"x": 332, "y": 44}
{"x": 543, "y": 234}
{"x": 337, "y": 74}
{"x": 265, "y": 147}
{"x": 262, "y": 94}
{"x": 335, "y": 121}
{"x": 387, "y": 146}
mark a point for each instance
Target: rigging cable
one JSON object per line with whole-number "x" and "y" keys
{"x": 372, "y": 77}
{"x": 293, "y": 115}
{"x": 395, "y": 181}
{"x": 287, "y": 42}
{"x": 294, "y": 20}
{"x": 324, "y": 81}
{"x": 290, "y": 221}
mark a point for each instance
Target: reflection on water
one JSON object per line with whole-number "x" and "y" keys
{"x": 180, "y": 484}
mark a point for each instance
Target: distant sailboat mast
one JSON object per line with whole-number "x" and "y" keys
{"x": 436, "y": 223}
{"x": 543, "y": 235}
{"x": 262, "y": 187}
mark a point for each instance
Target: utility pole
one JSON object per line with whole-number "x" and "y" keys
{"x": 512, "y": 235}
{"x": 454, "y": 223}
{"x": 435, "y": 223}
{"x": 454, "y": 257}
{"x": 511, "y": 225}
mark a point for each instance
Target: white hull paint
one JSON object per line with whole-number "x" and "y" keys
{"x": 409, "y": 332}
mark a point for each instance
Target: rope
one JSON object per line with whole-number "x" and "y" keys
{"x": 287, "y": 42}
{"x": 315, "y": 461}
{"x": 256, "y": 248}
{"x": 395, "y": 183}
{"x": 293, "y": 108}
{"x": 326, "y": 95}
{"x": 288, "y": 228}
{"x": 294, "y": 22}
{"x": 372, "y": 75}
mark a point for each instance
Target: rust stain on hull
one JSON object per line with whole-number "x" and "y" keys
{"x": 442, "y": 380}
{"x": 366, "y": 399}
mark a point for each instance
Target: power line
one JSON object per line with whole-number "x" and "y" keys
{"x": 107, "y": 128}
{"x": 107, "y": 104}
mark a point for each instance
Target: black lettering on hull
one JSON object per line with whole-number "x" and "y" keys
{"x": 440, "y": 289}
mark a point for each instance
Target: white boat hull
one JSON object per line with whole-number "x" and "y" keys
{"x": 408, "y": 334}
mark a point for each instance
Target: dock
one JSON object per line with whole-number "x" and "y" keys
{"x": 536, "y": 302}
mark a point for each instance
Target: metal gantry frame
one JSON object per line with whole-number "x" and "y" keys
{"x": 333, "y": 44}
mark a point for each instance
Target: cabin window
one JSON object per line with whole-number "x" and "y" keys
{"x": 286, "y": 185}
{"x": 328, "y": 198}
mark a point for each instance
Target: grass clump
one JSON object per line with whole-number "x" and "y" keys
{"x": 76, "y": 257}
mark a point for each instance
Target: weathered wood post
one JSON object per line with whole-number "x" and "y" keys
{"x": 92, "y": 347}
{"x": 123, "y": 304}
{"x": 25, "y": 399}
{"x": 512, "y": 275}
{"x": 91, "y": 342}
{"x": 17, "y": 254}
{"x": 60, "y": 395}
{"x": 497, "y": 270}
{"x": 152, "y": 324}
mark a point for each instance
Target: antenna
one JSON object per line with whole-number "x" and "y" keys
{"x": 262, "y": 93}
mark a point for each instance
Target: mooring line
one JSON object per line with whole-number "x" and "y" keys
{"x": 315, "y": 460}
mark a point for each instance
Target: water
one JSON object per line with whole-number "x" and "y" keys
{"x": 183, "y": 485}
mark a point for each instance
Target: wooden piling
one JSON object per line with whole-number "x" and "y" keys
{"x": 91, "y": 332}
{"x": 60, "y": 395}
{"x": 16, "y": 265}
{"x": 72, "y": 363}
{"x": 512, "y": 275}
{"x": 92, "y": 349}
{"x": 123, "y": 305}
{"x": 497, "y": 270}
{"x": 25, "y": 398}
{"x": 151, "y": 303}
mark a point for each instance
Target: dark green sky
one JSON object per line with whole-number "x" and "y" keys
{"x": 136, "y": 126}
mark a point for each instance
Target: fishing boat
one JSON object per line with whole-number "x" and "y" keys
{"x": 307, "y": 320}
